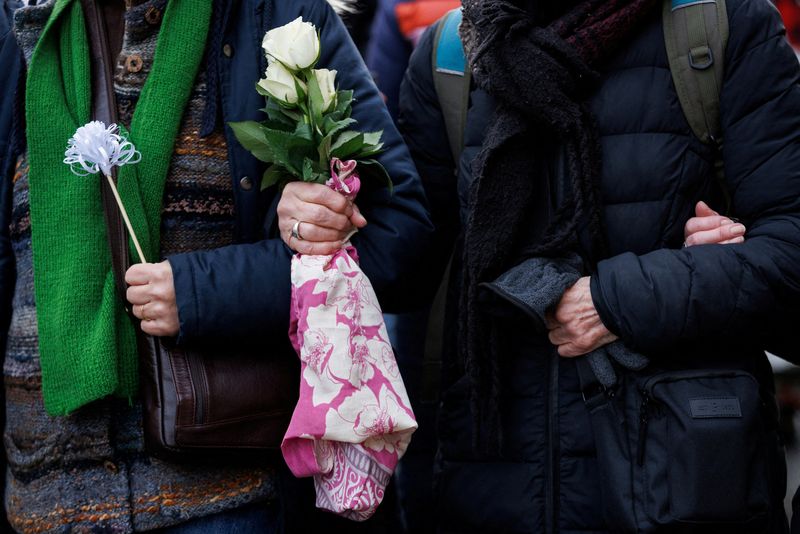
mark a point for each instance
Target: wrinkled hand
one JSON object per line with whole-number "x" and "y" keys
{"x": 326, "y": 218}
{"x": 710, "y": 228}
{"x": 575, "y": 328}
{"x": 151, "y": 291}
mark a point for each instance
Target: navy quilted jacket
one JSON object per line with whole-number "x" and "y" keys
{"x": 10, "y": 60}
{"x": 697, "y": 307}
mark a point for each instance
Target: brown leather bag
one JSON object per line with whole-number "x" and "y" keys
{"x": 217, "y": 402}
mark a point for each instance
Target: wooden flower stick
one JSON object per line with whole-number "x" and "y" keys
{"x": 125, "y": 218}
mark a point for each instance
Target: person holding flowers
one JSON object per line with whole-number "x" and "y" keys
{"x": 213, "y": 221}
{"x": 353, "y": 420}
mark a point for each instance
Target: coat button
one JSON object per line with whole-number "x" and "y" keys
{"x": 227, "y": 49}
{"x": 246, "y": 183}
{"x": 111, "y": 467}
{"x": 134, "y": 63}
{"x": 153, "y": 15}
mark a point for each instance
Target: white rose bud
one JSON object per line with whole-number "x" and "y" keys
{"x": 326, "y": 80}
{"x": 296, "y": 44}
{"x": 280, "y": 83}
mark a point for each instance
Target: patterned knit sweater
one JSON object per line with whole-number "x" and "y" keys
{"x": 88, "y": 472}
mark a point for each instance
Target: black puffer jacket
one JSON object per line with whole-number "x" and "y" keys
{"x": 699, "y": 307}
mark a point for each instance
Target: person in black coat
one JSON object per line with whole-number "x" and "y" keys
{"x": 576, "y": 143}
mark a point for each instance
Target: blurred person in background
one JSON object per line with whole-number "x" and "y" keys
{"x": 396, "y": 30}
{"x": 790, "y": 13}
{"x": 357, "y": 16}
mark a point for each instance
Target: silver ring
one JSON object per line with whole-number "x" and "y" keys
{"x": 296, "y": 231}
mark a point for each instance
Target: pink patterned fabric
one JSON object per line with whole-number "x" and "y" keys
{"x": 353, "y": 421}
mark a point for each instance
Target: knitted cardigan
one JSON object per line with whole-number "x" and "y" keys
{"x": 89, "y": 471}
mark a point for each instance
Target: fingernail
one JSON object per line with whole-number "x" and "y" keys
{"x": 738, "y": 229}
{"x": 726, "y": 221}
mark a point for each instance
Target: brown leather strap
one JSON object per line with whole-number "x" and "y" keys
{"x": 104, "y": 108}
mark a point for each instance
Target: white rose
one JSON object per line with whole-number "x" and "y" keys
{"x": 280, "y": 83}
{"x": 296, "y": 44}
{"x": 326, "y": 79}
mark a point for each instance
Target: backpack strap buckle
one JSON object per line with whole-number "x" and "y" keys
{"x": 701, "y": 57}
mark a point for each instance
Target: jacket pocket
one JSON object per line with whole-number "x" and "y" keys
{"x": 684, "y": 451}
{"x": 701, "y": 449}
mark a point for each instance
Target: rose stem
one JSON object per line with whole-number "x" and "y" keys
{"x": 126, "y": 219}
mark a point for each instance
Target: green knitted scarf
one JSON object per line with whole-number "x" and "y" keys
{"x": 87, "y": 343}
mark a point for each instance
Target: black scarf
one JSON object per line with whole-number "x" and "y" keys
{"x": 540, "y": 71}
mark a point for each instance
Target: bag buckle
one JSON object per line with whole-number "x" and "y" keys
{"x": 593, "y": 393}
{"x": 701, "y": 57}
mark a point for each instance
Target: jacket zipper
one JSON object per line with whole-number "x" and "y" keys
{"x": 644, "y": 418}
{"x": 551, "y": 486}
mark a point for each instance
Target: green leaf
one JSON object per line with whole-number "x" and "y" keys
{"x": 324, "y": 150}
{"x": 372, "y": 138}
{"x": 368, "y": 151}
{"x": 274, "y": 175}
{"x": 277, "y": 125}
{"x": 303, "y": 131}
{"x": 316, "y": 100}
{"x": 281, "y": 115}
{"x": 370, "y": 169}
{"x": 332, "y": 126}
{"x": 372, "y": 146}
{"x": 344, "y": 100}
{"x": 301, "y": 93}
{"x": 289, "y": 149}
{"x": 251, "y": 136}
{"x": 348, "y": 143}
{"x": 308, "y": 170}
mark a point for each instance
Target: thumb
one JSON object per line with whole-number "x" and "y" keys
{"x": 703, "y": 210}
{"x": 357, "y": 219}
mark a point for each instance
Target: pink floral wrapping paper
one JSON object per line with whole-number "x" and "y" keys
{"x": 353, "y": 420}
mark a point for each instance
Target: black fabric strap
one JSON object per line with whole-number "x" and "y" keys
{"x": 594, "y": 393}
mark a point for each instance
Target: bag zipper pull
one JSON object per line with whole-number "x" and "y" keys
{"x": 643, "y": 420}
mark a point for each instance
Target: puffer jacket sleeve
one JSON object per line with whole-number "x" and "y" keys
{"x": 10, "y": 63}
{"x": 422, "y": 124}
{"x": 244, "y": 290}
{"x": 710, "y": 292}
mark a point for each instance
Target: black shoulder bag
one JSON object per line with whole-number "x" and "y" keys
{"x": 682, "y": 451}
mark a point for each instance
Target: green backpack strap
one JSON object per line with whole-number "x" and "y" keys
{"x": 451, "y": 79}
{"x": 696, "y": 35}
